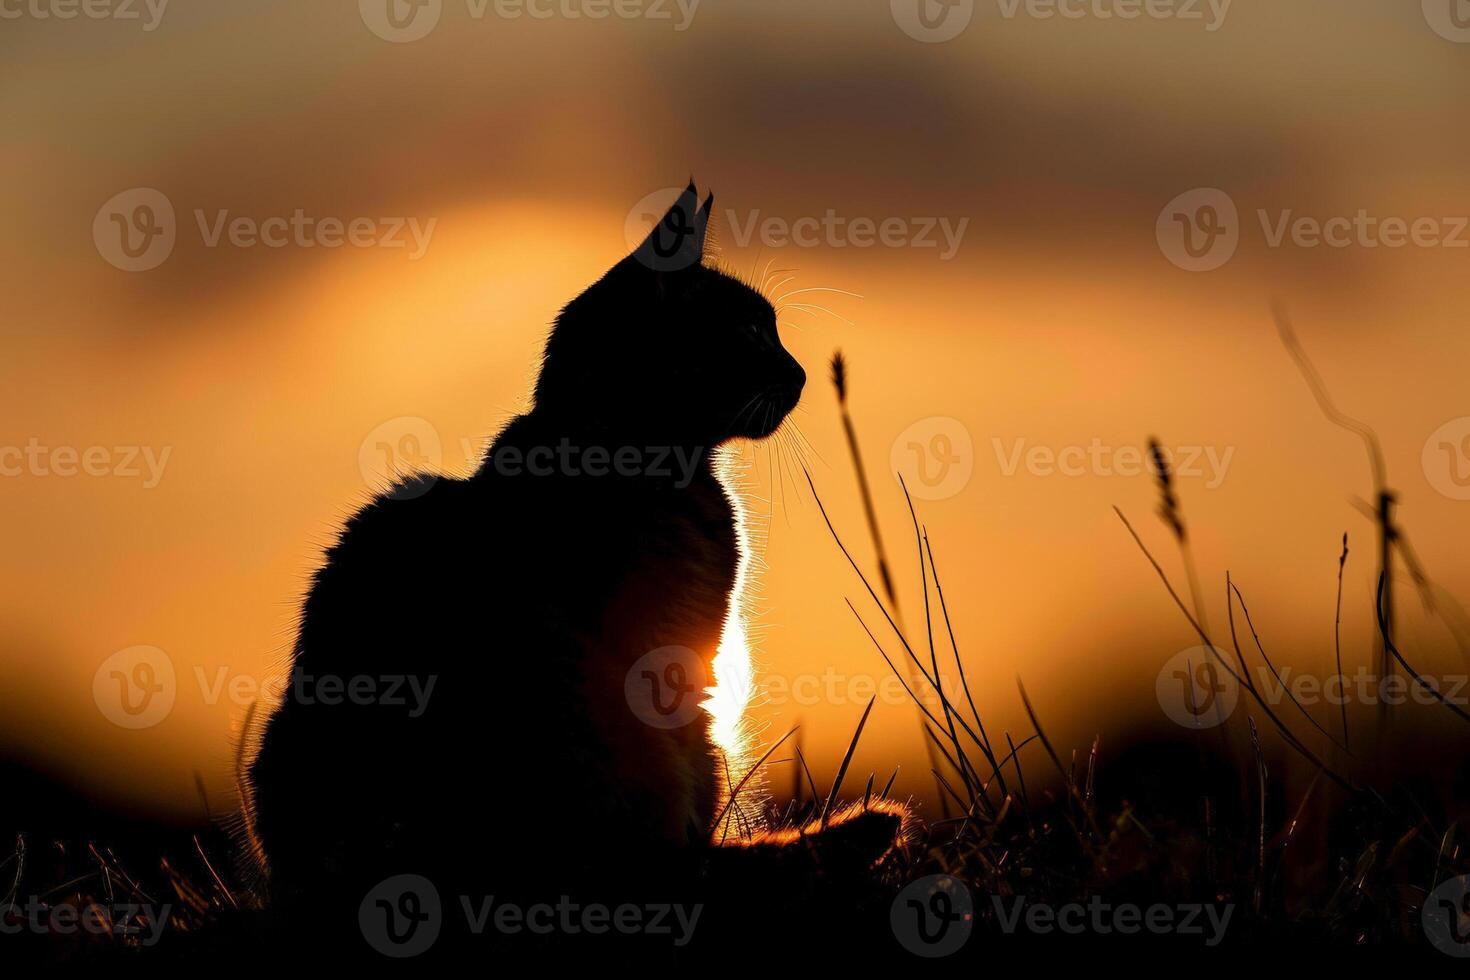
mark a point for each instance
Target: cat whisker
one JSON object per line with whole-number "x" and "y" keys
{"x": 819, "y": 289}
{"x": 766, "y": 273}
{"x": 784, "y": 439}
{"x": 777, "y": 447}
{"x": 809, "y": 308}
{"x": 749, "y": 406}
{"x": 771, "y": 274}
{"x": 804, "y": 445}
{"x": 779, "y": 283}
{"x": 754, "y": 265}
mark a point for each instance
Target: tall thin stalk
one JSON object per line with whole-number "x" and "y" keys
{"x": 1384, "y": 497}
{"x": 885, "y": 576}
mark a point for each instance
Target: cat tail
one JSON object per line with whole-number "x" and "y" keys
{"x": 854, "y": 842}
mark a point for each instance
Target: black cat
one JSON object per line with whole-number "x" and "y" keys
{"x": 488, "y": 625}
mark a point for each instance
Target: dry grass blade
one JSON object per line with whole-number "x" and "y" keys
{"x": 1387, "y": 532}
{"x": 847, "y": 761}
{"x": 19, "y": 857}
{"x": 218, "y": 882}
{"x": 746, "y": 778}
{"x": 1284, "y": 687}
{"x": 1056, "y": 759}
{"x": 1261, "y": 775}
{"x": 810, "y": 782}
{"x": 1383, "y": 628}
{"x": 1245, "y": 682}
{"x": 1020, "y": 778}
{"x": 966, "y": 770}
{"x": 1337, "y": 636}
{"x": 870, "y": 512}
{"x": 984, "y": 742}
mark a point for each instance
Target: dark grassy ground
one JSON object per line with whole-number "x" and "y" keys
{"x": 1158, "y": 819}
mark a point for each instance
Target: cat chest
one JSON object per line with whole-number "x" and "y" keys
{"x": 684, "y": 586}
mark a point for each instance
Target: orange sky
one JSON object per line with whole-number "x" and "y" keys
{"x": 1058, "y": 323}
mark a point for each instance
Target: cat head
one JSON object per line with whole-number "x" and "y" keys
{"x": 665, "y": 346}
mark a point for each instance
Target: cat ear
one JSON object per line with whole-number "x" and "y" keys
{"x": 701, "y": 221}
{"x": 677, "y": 239}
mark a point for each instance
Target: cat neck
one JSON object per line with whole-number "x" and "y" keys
{"x": 541, "y": 443}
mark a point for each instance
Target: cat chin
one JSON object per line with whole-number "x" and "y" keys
{"x": 759, "y": 425}
{"x": 758, "y": 433}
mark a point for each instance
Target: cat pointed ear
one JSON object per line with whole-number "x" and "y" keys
{"x": 677, "y": 239}
{"x": 701, "y": 221}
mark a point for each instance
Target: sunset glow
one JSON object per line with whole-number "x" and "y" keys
{"x": 734, "y": 680}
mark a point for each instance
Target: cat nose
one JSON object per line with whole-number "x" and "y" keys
{"x": 795, "y": 376}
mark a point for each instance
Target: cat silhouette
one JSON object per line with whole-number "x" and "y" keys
{"x": 507, "y": 611}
